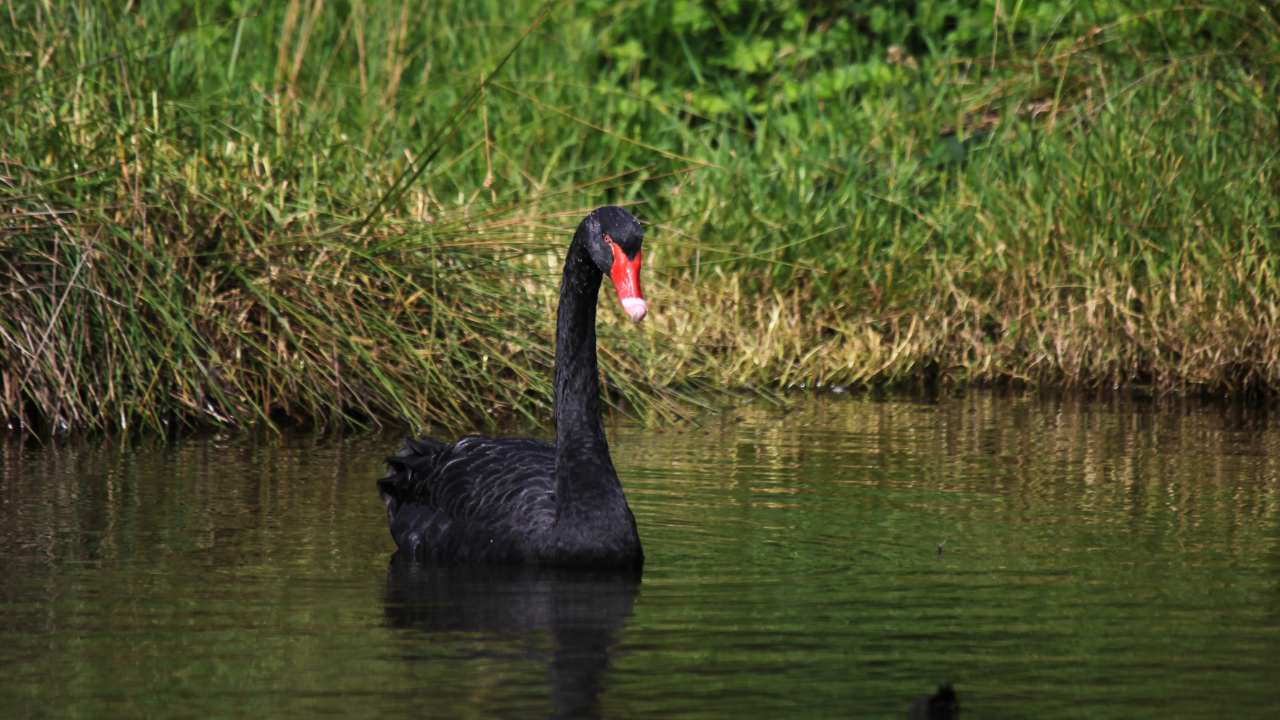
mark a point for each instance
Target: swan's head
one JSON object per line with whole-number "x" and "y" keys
{"x": 613, "y": 238}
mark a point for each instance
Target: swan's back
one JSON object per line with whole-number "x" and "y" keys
{"x": 476, "y": 500}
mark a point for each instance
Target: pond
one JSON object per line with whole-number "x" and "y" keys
{"x": 836, "y": 557}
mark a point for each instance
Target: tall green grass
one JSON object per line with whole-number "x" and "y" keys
{"x": 233, "y": 213}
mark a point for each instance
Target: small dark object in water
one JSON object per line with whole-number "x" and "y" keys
{"x": 942, "y": 705}
{"x": 523, "y": 502}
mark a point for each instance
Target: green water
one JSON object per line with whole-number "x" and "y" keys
{"x": 1049, "y": 558}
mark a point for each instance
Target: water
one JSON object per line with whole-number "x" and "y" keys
{"x": 1049, "y": 558}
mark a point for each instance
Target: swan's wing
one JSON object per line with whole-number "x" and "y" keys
{"x": 478, "y": 497}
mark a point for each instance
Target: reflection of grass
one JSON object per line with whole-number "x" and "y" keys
{"x": 214, "y": 218}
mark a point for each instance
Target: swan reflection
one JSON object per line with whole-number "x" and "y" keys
{"x": 579, "y": 615}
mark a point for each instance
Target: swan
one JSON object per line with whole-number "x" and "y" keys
{"x": 483, "y": 500}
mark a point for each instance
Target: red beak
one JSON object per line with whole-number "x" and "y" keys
{"x": 626, "y": 280}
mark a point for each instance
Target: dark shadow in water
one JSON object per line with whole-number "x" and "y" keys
{"x": 582, "y": 612}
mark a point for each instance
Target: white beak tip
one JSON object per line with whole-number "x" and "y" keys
{"x": 635, "y": 307}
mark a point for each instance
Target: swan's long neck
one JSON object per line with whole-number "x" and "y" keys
{"x": 584, "y": 470}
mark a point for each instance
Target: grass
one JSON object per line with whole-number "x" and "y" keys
{"x": 234, "y": 213}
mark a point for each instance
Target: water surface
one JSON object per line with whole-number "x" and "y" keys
{"x": 833, "y": 559}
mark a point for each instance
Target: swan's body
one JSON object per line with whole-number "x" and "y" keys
{"x": 512, "y": 501}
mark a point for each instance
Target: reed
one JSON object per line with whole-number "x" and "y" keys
{"x": 305, "y": 213}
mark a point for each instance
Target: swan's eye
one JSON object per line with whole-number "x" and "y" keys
{"x": 608, "y": 240}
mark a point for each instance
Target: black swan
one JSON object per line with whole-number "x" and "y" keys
{"x": 510, "y": 501}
